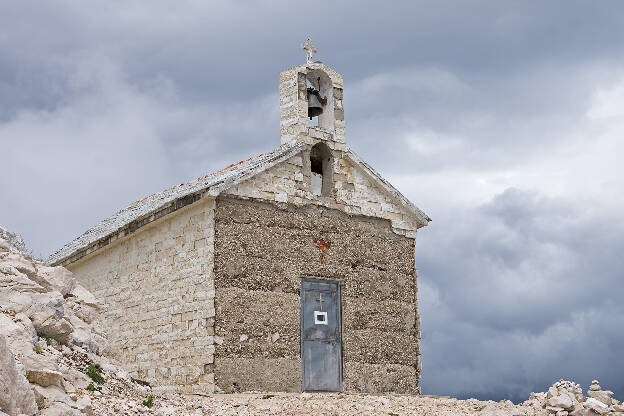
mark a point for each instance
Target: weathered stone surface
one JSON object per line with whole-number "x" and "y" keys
{"x": 395, "y": 316}
{"x": 85, "y": 297}
{"x": 258, "y": 326}
{"x": 257, "y": 295}
{"x": 60, "y": 409}
{"x": 244, "y": 374}
{"x": 83, "y": 405}
{"x": 48, "y": 317}
{"x": 562, "y": 400}
{"x": 55, "y": 278}
{"x": 16, "y": 397}
{"x": 157, "y": 295}
{"x": 596, "y": 406}
{"x": 10, "y": 241}
{"x": 579, "y": 411}
{"x": 44, "y": 377}
{"x": 376, "y": 346}
{"x": 83, "y": 336}
{"x": 77, "y": 379}
{"x": 19, "y": 339}
{"x": 492, "y": 409}
{"x": 376, "y": 378}
{"x": 21, "y": 263}
{"x": 16, "y": 289}
{"x": 601, "y": 395}
{"x": 46, "y": 396}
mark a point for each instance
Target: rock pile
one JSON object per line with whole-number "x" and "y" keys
{"x": 45, "y": 317}
{"x": 565, "y": 398}
{"x": 14, "y": 240}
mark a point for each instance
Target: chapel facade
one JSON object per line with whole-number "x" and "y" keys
{"x": 290, "y": 271}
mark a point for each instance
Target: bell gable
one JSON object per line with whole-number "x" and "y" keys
{"x": 349, "y": 185}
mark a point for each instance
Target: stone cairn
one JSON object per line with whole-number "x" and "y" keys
{"x": 565, "y": 398}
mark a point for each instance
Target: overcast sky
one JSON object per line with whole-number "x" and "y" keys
{"x": 502, "y": 120}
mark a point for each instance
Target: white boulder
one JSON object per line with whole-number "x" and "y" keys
{"x": 85, "y": 297}
{"x": 16, "y": 396}
{"x": 603, "y": 396}
{"x": 562, "y": 401}
{"x": 596, "y": 406}
{"x": 55, "y": 278}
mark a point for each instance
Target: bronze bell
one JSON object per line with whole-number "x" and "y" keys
{"x": 315, "y": 103}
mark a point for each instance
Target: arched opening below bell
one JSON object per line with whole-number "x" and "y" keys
{"x": 321, "y": 171}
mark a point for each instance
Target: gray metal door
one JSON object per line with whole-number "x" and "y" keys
{"x": 321, "y": 352}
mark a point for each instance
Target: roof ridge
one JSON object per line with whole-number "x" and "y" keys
{"x": 143, "y": 207}
{"x": 200, "y": 178}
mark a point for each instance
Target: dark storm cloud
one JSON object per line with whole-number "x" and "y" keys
{"x": 520, "y": 291}
{"x": 502, "y": 120}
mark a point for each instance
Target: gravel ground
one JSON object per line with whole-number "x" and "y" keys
{"x": 301, "y": 404}
{"x": 119, "y": 394}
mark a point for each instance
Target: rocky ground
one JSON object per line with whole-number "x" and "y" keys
{"x": 48, "y": 335}
{"x": 53, "y": 362}
{"x": 562, "y": 399}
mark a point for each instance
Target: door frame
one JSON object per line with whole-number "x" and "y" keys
{"x": 339, "y": 310}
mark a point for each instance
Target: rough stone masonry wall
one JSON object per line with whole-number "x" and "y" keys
{"x": 261, "y": 252}
{"x": 158, "y": 288}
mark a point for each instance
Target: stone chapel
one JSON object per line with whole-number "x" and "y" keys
{"x": 289, "y": 271}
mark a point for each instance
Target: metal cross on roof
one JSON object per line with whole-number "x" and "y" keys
{"x": 310, "y": 49}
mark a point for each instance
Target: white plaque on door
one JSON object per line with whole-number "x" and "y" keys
{"x": 320, "y": 318}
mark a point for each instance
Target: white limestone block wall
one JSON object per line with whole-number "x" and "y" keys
{"x": 158, "y": 288}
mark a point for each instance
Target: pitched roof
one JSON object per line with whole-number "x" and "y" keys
{"x": 161, "y": 203}
{"x": 212, "y": 184}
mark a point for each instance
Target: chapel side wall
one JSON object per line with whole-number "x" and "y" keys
{"x": 263, "y": 249}
{"x": 157, "y": 285}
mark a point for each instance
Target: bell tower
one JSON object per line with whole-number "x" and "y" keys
{"x": 311, "y": 103}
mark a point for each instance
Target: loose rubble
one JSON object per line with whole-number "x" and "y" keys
{"x": 45, "y": 320}
{"x": 54, "y": 361}
{"x": 565, "y": 398}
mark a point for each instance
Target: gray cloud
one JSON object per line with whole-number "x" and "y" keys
{"x": 520, "y": 291}
{"x": 502, "y": 120}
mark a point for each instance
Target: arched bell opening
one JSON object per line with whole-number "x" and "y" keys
{"x": 321, "y": 171}
{"x": 320, "y": 100}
